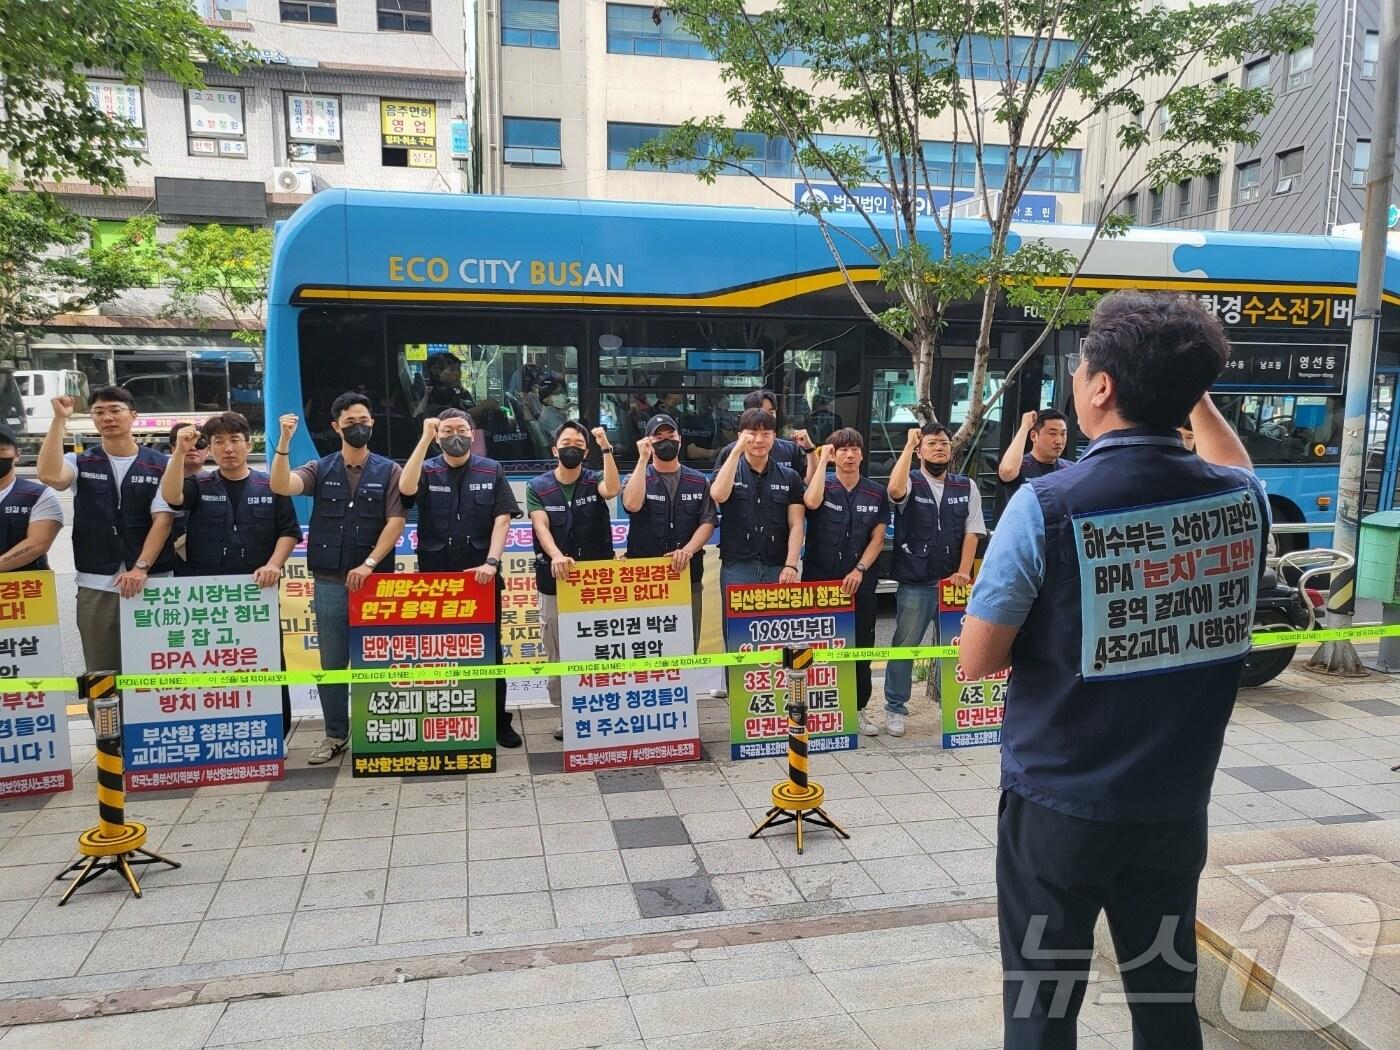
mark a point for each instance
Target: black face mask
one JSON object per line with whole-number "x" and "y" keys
{"x": 6, "y": 465}
{"x": 455, "y": 444}
{"x": 667, "y": 450}
{"x": 570, "y": 457}
{"x": 936, "y": 469}
{"x": 357, "y": 435}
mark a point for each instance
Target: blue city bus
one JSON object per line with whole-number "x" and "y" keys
{"x": 609, "y": 311}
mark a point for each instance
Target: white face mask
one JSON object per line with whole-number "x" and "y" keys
{"x": 558, "y": 400}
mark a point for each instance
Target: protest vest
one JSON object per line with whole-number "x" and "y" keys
{"x": 110, "y": 523}
{"x": 928, "y": 534}
{"x": 1032, "y": 468}
{"x": 14, "y": 519}
{"x": 665, "y": 524}
{"x": 455, "y": 521}
{"x": 345, "y": 529}
{"x": 1125, "y": 671}
{"x": 580, "y": 526}
{"x": 839, "y": 530}
{"x": 754, "y": 520}
{"x": 227, "y": 538}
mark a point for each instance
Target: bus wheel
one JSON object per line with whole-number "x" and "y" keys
{"x": 1281, "y": 544}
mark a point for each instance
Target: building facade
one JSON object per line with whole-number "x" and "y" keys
{"x": 1306, "y": 173}
{"x": 354, "y": 93}
{"x": 566, "y": 88}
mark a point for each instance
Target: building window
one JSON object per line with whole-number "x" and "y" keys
{"x": 532, "y": 140}
{"x": 406, "y": 16}
{"x": 1290, "y": 171}
{"x": 1370, "y": 53}
{"x": 530, "y": 23}
{"x": 1130, "y": 207}
{"x": 1212, "y": 192}
{"x": 1300, "y": 65}
{"x": 317, "y": 12}
{"x": 407, "y": 133}
{"x": 122, "y": 101}
{"x": 222, "y": 10}
{"x": 1164, "y": 118}
{"x": 1183, "y": 198}
{"x": 1156, "y": 198}
{"x": 632, "y": 31}
{"x": 1360, "y": 162}
{"x": 1249, "y": 181}
{"x": 214, "y": 123}
{"x": 1256, "y": 74}
{"x": 1220, "y": 81}
{"x": 313, "y": 129}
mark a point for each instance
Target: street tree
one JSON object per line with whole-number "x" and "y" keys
{"x": 856, "y": 88}
{"x": 49, "y": 264}
{"x": 53, "y": 129}
{"x": 210, "y": 272}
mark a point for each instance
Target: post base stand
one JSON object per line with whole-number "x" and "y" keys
{"x": 798, "y": 805}
{"x": 100, "y": 854}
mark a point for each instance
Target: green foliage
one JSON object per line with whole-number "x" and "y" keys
{"x": 47, "y": 266}
{"x": 48, "y": 49}
{"x": 210, "y": 272}
{"x": 889, "y": 70}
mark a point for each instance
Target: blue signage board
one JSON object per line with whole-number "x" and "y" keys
{"x": 733, "y": 362}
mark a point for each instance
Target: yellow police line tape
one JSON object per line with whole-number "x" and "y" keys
{"x": 246, "y": 679}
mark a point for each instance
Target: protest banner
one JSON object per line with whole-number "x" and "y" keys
{"x": 34, "y": 755}
{"x": 972, "y": 711}
{"x": 422, "y": 728}
{"x": 627, "y": 610}
{"x": 198, "y": 737}
{"x": 803, "y": 615}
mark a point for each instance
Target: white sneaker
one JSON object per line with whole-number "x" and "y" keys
{"x": 894, "y": 724}
{"x": 559, "y": 731}
{"x": 867, "y": 723}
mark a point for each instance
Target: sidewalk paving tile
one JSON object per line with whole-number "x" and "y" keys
{"x": 304, "y": 778}
{"x": 483, "y": 816}
{"x": 1374, "y": 707}
{"x": 517, "y": 874}
{"x": 483, "y": 993}
{"x": 255, "y": 897}
{"x": 442, "y": 847}
{"x": 715, "y": 1008}
{"x": 503, "y": 843}
{"x": 613, "y": 781}
{"x": 676, "y": 897}
{"x": 333, "y": 928}
{"x": 661, "y": 977}
{"x": 1293, "y": 713}
{"x": 661, "y": 862}
{"x": 914, "y": 983}
{"x": 36, "y": 958}
{"x": 881, "y": 841}
{"x": 301, "y": 1015}
{"x": 623, "y": 805}
{"x": 247, "y": 937}
{"x": 1314, "y": 802}
{"x": 946, "y": 836}
{"x": 562, "y": 1026}
{"x": 293, "y": 803}
{"x": 83, "y": 913}
{"x": 594, "y": 905}
{"x": 573, "y": 809}
{"x": 901, "y": 874}
{"x": 358, "y": 824}
{"x": 379, "y": 1037}
{"x": 841, "y": 951}
{"x": 644, "y": 832}
{"x": 348, "y": 855}
{"x": 182, "y": 1028}
{"x": 964, "y": 1024}
{"x": 755, "y": 889}
{"x": 584, "y": 837}
{"x": 828, "y": 1033}
{"x": 427, "y": 881}
{"x": 276, "y": 831}
{"x": 573, "y": 870}
{"x": 146, "y": 947}
{"x": 511, "y": 913}
{"x": 823, "y": 882}
{"x": 1266, "y": 778}
{"x": 736, "y": 856}
{"x": 177, "y": 904}
{"x": 548, "y": 762}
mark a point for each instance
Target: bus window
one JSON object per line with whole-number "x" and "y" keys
{"x": 1286, "y": 428}
{"x": 808, "y": 389}
{"x": 157, "y": 383}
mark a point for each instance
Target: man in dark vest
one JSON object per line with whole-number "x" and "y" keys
{"x": 568, "y": 508}
{"x": 1048, "y": 432}
{"x": 1120, "y": 593}
{"x": 670, "y": 509}
{"x": 760, "y": 539}
{"x": 121, "y": 523}
{"x": 464, "y": 507}
{"x": 793, "y": 453}
{"x": 937, "y": 524}
{"x": 357, "y": 517}
{"x": 846, "y": 519}
{"x": 235, "y": 525}
{"x": 31, "y": 516}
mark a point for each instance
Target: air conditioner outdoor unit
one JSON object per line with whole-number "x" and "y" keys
{"x": 292, "y": 180}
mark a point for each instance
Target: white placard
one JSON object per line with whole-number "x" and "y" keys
{"x": 313, "y": 118}
{"x": 216, "y": 111}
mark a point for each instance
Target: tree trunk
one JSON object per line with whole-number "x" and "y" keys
{"x": 923, "y": 378}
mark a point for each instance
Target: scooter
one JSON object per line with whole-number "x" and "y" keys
{"x": 1289, "y": 606}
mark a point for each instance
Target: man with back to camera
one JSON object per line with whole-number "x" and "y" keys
{"x": 790, "y": 452}
{"x": 937, "y": 524}
{"x": 464, "y": 509}
{"x": 671, "y": 512}
{"x": 1109, "y": 748}
{"x": 121, "y": 523}
{"x": 357, "y": 517}
{"x": 760, "y": 537}
{"x": 568, "y": 511}
{"x": 1048, "y": 431}
{"x": 234, "y": 524}
{"x": 31, "y": 516}
{"x": 846, "y": 519}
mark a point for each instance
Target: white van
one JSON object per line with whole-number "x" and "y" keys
{"x": 37, "y": 388}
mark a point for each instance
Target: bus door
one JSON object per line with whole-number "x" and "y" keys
{"x": 1382, "y": 477}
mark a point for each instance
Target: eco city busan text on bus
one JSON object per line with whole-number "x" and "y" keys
{"x": 539, "y": 273}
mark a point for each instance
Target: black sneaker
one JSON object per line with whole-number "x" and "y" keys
{"x": 506, "y": 736}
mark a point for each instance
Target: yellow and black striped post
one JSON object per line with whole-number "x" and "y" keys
{"x": 797, "y": 799}
{"x": 114, "y": 844}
